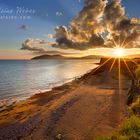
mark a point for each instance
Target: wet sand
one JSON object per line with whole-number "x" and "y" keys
{"x": 80, "y": 110}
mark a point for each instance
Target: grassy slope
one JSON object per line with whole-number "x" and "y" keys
{"x": 130, "y": 129}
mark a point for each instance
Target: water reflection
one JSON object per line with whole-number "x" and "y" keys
{"x": 24, "y": 77}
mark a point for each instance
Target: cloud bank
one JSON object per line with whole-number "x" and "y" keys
{"x": 37, "y": 46}
{"x": 101, "y": 23}
{"x": 34, "y": 45}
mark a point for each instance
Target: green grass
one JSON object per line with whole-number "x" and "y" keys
{"x": 136, "y": 106}
{"x": 129, "y": 130}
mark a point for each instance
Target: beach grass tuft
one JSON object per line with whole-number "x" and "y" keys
{"x": 129, "y": 130}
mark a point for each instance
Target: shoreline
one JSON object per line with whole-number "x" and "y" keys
{"x": 86, "y": 107}
{"x": 10, "y": 100}
{"x": 7, "y": 101}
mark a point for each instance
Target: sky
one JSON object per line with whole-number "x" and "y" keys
{"x": 40, "y": 19}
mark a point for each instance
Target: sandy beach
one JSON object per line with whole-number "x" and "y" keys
{"x": 80, "y": 110}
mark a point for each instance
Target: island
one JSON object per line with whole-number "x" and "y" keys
{"x": 46, "y": 56}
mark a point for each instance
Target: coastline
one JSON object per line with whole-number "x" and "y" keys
{"x": 22, "y": 87}
{"x": 92, "y": 102}
{"x": 9, "y": 100}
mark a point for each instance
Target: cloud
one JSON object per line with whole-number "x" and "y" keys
{"x": 120, "y": 27}
{"x": 79, "y": 1}
{"x": 97, "y": 18}
{"x": 34, "y": 45}
{"x": 101, "y": 23}
{"x": 85, "y": 30}
{"x": 64, "y": 40}
{"x": 38, "y": 46}
{"x": 24, "y": 27}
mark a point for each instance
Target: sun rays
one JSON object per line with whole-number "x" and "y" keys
{"x": 120, "y": 60}
{"x": 119, "y": 53}
{"x": 112, "y": 64}
{"x": 119, "y": 75}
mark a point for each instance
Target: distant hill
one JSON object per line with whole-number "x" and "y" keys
{"x": 49, "y": 57}
{"x": 63, "y": 57}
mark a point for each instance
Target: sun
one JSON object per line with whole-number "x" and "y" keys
{"x": 119, "y": 52}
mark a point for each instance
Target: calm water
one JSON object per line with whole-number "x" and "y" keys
{"x": 24, "y": 77}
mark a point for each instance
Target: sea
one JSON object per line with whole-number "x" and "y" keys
{"x": 20, "y": 79}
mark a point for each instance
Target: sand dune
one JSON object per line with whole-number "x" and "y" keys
{"x": 81, "y": 110}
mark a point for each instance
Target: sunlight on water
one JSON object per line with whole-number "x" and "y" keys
{"x": 27, "y": 77}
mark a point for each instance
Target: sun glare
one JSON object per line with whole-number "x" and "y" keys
{"x": 119, "y": 52}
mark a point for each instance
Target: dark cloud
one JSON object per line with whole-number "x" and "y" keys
{"x": 24, "y": 27}
{"x": 101, "y": 23}
{"x": 38, "y": 46}
{"x": 85, "y": 30}
{"x": 122, "y": 29}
